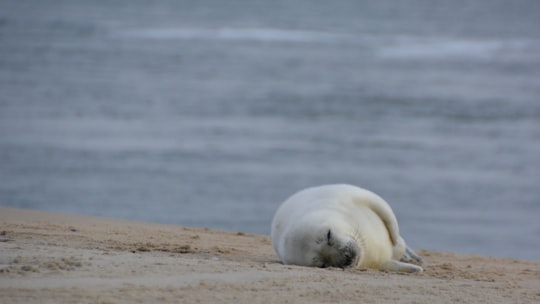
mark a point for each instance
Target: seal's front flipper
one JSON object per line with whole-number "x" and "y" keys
{"x": 411, "y": 256}
{"x": 397, "y": 266}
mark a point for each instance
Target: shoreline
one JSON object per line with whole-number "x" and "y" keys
{"x": 60, "y": 258}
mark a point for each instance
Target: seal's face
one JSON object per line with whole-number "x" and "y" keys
{"x": 334, "y": 250}
{"x": 327, "y": 243}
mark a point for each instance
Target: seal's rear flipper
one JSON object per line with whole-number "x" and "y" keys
{"x": 411, "y": 256}
{"x": 397, "y": 266}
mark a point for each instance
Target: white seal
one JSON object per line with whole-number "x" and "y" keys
{"x": 340, "y": 226}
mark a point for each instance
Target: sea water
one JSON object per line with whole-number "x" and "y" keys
{"x": 211, "y": 113}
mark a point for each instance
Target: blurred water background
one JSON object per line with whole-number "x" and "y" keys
{"x": 210, "y": 113}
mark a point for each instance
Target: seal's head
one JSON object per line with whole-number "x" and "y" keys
{"x": 323, "y": 246}
{"x": 335, "y": 250}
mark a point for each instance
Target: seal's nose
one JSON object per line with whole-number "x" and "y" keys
{"x": 350, "y": 257}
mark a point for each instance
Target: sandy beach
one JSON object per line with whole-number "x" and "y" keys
{"x": 57, "y": 258}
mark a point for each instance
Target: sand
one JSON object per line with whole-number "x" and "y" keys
{"x": 57, "y": 258}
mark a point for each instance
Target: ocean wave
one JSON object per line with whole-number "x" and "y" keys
{"x": 384, "y": 46}
{"x": 442, "y": 48}
{"x": 237, "y": 34}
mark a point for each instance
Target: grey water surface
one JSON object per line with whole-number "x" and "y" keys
{"x": 210, "y": 113}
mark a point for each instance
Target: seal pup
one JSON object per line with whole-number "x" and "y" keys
{"x": 340, "y": 226}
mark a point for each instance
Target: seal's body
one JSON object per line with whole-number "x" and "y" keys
{"x": 340, "y": 226}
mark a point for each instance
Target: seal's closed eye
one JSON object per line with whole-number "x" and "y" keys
{"x": 329, "y": 237}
